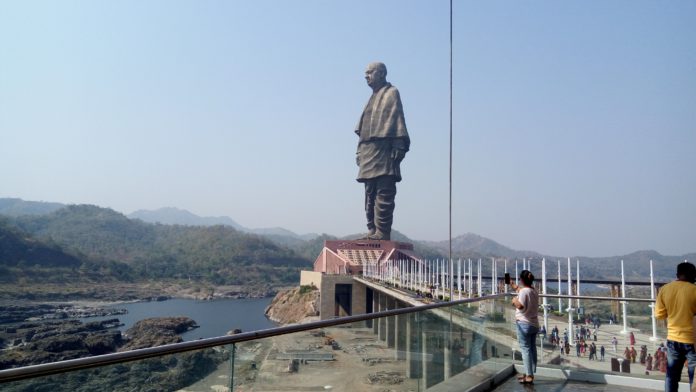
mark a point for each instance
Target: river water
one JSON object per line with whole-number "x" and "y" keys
{"x": 215, "y": 318}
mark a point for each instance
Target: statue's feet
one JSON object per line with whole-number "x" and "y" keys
{"x": 378, "y": 236}
{"x": 369, "y": 235}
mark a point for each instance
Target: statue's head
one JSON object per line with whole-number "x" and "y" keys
{"x": 376, "y": 74}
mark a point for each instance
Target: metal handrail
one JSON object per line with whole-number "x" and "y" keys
{"x": 627, "y": 299}
{"x": 46, "y": 369}
{"x": 175, "y": 348}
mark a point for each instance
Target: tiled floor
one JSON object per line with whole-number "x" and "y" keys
{"x": 551, "y": 384}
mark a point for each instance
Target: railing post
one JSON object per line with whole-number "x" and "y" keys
{"x": 233, "y": 352}
{"x": 652, "y": 304}
{"x": 623, "y": 296}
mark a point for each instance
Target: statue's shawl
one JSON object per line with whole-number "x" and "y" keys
{"x": 386, "y": 117}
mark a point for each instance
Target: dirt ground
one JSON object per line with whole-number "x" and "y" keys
{"x": 361, "y": 363}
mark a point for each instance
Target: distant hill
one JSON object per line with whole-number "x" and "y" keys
{"x": 25, "y": 258}
{"x": 17, "y": 207}
{"x": 165, "y": 249}
{"x": 471, "y": 245}
{"x": 176, "y": 216}
{"x": 20, "y": 249}
{"x": 219, "y": 254}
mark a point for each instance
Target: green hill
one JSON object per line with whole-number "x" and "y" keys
{"x": 23, "y": 258}
{"x": 219, "y": 254}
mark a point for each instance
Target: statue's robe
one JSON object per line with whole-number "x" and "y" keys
{"x": 382, "y": 128}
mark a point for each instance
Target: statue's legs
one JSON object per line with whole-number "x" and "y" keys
{"x": 379, "y": 206}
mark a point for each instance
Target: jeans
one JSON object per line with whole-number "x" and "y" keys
{"x": 677, "y": 353}
{"x": 526, "y": 336}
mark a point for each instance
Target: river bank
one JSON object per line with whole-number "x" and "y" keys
{"x": 104, "y": 293}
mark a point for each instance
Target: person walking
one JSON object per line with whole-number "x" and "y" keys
{"x": 593, "y": 352}
{"x": 601, "y": 353}
{"x": 526, "y": 304}
{"x": 676, "y": 302}
{"x": 632, "y": 339}
{"x": 643, "y": 353}
{"x": 648, "y": 363}
{"x": 614, "y": 343}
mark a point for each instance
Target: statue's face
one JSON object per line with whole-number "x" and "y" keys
{"x": 374, "y": 76}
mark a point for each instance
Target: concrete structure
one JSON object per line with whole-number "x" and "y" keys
{"x": 341, "y": 257}
{"x": 339, "y": 295}
{"x": 338, "y": 262}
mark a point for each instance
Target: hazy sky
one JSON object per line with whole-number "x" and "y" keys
{"x": 574, "y": 122}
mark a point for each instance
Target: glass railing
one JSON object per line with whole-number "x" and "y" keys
{"x": 409, "y": 349}
{"x": 588, "y": 342}
{"x": 434, "y": 346}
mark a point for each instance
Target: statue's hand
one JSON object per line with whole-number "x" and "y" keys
{"x": 397, "y": 155}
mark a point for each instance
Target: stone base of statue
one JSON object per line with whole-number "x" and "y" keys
{"x": 348, "y": 257}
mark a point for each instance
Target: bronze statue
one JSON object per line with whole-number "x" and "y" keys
{"x": 383, "y": 143}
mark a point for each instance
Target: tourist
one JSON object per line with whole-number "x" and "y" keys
{"x": 601, "y": 353}
{"x": 676, "y": 302}
{"x": 593, "y": 352}
{"x": 627, "y": 354}
{"x": 526, "y": 304}
{"x": 614, "y": 343}
{"x": 632, "y": 339}
{"x": 594, "y": 335}
{"x": 542, "y": 332}
{"x": 643, "y": 353}
{"x": 663, "y": 365}
{"x": 634, "y": 354}
{"x": 648, "y": 363}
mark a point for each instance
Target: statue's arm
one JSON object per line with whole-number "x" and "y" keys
{"x": 399, "y": 149}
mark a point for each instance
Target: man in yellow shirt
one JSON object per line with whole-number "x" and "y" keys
{"x": 676, "y": 302}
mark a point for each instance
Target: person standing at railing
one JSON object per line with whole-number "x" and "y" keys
{"x": 676, "y": 302}
{"x": 526, "y": 304}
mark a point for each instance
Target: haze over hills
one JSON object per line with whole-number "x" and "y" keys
{"x": 470, "y": 242}
{"x": 183, "y": 243}
{"x": 176, "y": 216}
{"x": 17, "y": 207}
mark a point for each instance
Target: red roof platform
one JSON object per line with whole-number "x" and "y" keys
{"x": 344, "y": 257}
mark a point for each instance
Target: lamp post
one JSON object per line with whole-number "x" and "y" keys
{"x": 652, "y": 304}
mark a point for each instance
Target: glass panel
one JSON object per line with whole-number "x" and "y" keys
{"x": 460, "y": 345}
{"x": 638, "y": 322}
{"x": 633, "y": 345}
{"x": 202, "y": 369}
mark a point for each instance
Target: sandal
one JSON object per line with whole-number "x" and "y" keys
{"x": 522, "y": 377}
{"x": 527, "y": 380}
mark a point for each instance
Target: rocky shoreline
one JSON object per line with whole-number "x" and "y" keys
{"x": 50, "y": 341}
{"x": 295, "y": 305}
{"x": 40, "y": 323}
{"x": 128, "y": 292}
